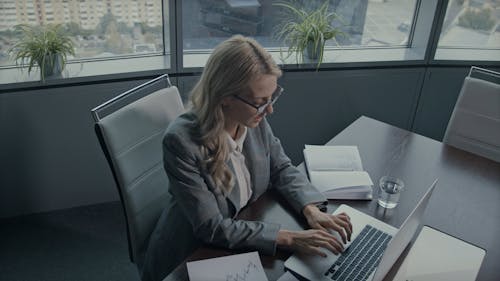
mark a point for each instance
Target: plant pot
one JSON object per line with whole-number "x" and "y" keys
{"x": 312, "y": 52}
{"x": 53, "y": 66}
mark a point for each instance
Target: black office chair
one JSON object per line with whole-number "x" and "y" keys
{"x": 130, "y": 130}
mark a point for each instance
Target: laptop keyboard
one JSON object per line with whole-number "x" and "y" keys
{"x": 358, "y": 261}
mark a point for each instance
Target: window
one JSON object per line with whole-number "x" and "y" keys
{"x": 98, "y": 32}
{"x": 368, "y": 24}
{"x": 118, "y": 36}
{"x": 470, "y": 31}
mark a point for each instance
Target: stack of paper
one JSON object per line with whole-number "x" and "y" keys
{"x": 337, "y": 171}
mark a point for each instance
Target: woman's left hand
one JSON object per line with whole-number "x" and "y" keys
{"x": 341, "y": 223}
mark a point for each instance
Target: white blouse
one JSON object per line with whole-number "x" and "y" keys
{"x": 240, "y": 168}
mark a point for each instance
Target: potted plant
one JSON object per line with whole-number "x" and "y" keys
{"x": 305, "y": 31}
{"x": 44, "y": 46}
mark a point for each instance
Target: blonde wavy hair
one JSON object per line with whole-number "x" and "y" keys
{"x": 230, "y": 68}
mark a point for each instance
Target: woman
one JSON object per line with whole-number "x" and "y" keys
{"x": 221, "y": 156}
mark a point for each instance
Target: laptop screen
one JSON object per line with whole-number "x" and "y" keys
{"x": 401, "y": 239}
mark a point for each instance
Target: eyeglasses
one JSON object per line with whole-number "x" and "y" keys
{"x": 263, "y": 107}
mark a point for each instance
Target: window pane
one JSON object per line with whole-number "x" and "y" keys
{"x": 366, "y": 23}
{"x": 470, "y": 26}
{"x": 100, "y": 29}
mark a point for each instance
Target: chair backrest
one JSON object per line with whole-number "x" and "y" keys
{"x": 474, "y": 125}
{"x": 131, "y": 138}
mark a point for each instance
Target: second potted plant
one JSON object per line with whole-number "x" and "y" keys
{"x": 44, "y": 46}
{"x": 305, "y": 32}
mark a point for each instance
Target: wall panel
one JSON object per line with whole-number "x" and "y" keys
{"x": 51, "y": 158}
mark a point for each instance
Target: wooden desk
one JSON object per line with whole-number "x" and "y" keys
{"x": 465, "y": 204}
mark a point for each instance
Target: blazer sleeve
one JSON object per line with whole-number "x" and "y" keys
{"x": 287, "y": 179}
{"x": 199, "y": 204}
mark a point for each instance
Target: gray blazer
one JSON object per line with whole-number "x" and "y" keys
{"x": 200, "y": 213}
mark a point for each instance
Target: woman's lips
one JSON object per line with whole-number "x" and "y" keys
{"x": 259, "y": 118}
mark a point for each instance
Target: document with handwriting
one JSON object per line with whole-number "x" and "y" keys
{"x": 241, "y": 267}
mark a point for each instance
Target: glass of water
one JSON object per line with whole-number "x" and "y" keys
{"x": 390, "y": 189}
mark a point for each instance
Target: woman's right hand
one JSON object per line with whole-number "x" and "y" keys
{"x": 310, "y": 242}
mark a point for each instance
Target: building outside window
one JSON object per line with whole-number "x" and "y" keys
{"x": 470, "y": 31}
{"x": 100, "y": 29}
{"x": 110, "y": 31}
{"x": 366, "y": 23}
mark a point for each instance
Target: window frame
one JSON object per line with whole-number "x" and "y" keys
{"x": 100, "y": 69}
{"x": 471, "y": 52}
{"x": 415, "y": 53}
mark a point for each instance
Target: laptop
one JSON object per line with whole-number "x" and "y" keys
{"x": 374, "y": 248}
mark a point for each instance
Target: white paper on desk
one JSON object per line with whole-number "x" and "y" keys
{"x": 328, "y": 180}
{"x": 229, "y": 268}
{"x": 287, "y": 277}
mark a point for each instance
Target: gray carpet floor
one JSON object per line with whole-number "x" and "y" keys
{"x": 83, "y": 243}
